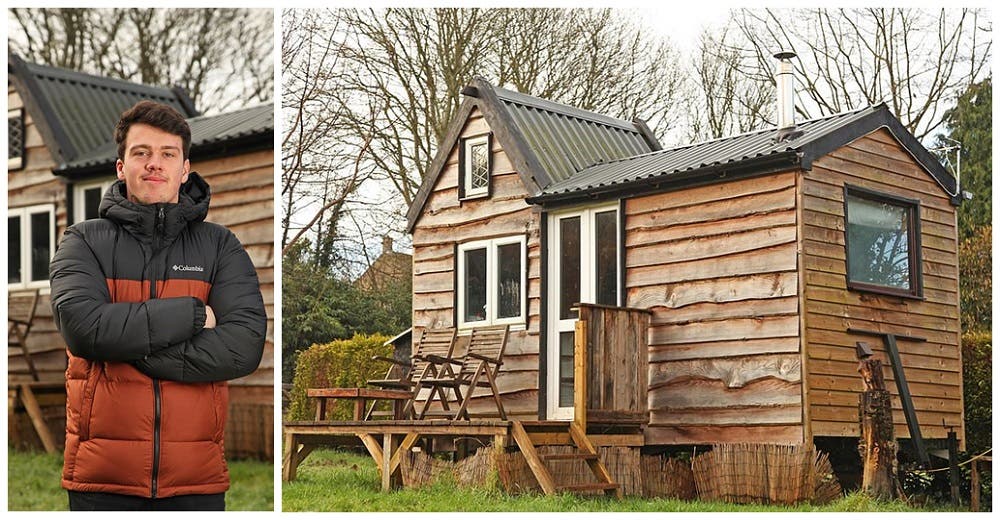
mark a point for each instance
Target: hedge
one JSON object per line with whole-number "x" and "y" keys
{"x": 977, "y": 378}
{"x": 344, "y": 363}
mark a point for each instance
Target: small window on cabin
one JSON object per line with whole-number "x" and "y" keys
{"x": 882, "y": 243}
{"x": 491, "y": 282}
{"x": 87, "y": 199}
{"x": 476, "y": 166}
{"x": 30, "y": 243}
{"x": 15, "y": 139}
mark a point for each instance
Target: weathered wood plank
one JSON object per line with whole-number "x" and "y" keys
{"x": 717, "y": 210}
{"x": 769, "y": 260}
{"x": 699, "y": 248}
{"x": 715, "y": 290}
{"x": 723, "y": 349}
{"x": 710, "y": 193}
{"x": 717, "y": 311}
{"x": 733, "y": 372}
{"x": 737, "y": 416}
{"x": 724, "y": 330}
{"x": 667, "y": 232}
{"x": 701, "y": 393}
{"x": 701, "y": 434}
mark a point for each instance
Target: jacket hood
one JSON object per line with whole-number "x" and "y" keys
{"x": 140, "y": 219}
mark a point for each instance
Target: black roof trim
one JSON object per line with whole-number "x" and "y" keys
{"x": 55, "y": 138}
{"x": 647, "y": 134}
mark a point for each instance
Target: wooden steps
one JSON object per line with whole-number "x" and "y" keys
{"x": 523, "y": 434}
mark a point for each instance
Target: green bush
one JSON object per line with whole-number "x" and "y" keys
{"x": 344, "y": 363}
{"x": 975, "y": 259}
{"x": 977, "y": 371}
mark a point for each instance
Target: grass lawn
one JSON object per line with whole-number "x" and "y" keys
{"x": 33, "y": 483}
{"x": 342, "y": 481}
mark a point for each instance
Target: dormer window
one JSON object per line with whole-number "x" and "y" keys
{"x": 476, "y": 164}
{"x": 15, "y": 139}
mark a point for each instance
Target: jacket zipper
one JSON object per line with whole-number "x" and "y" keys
{"x": 157, "y": 403}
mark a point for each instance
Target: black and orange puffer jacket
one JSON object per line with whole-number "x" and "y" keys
{"x": 146, "y": 392}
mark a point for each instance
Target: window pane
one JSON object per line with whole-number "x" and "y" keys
{"x": 509, "y": 281}
{"x": 475, "y": 285}
{"x": 878, "y": 241}
{"x": 569, "y": 266}
{"x": 40, "y": 253}
{"x": 607, "y": 257}
{"x": 479, "y": 164}
{"x": 91, "y": 201}
{"x": 15, "y": 136}
{"x": 566, "y": 368}
{"x": 13, "y": 249}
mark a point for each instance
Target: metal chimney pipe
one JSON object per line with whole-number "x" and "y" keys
{"x": 785, "y": 81}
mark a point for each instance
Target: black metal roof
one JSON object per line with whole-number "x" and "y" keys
{"x": 76, "y": 112}
{"x": 566, "y": 139}
{"x": 546, "y": 141}
{"x": 746, "y": 154}
{"x": 255, "y": 123}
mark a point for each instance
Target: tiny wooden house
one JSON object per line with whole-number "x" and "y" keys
{"x": 761, "y": 259}
{"x": 61, "y": 160}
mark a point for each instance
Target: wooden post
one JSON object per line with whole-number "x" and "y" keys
{"x": 580, "y": 374}
{"x": 289, "y": 463}
{"x": 974, "y": 503}
{"x": 953, "y": 467}
{"x": 877, "y": 446}
{"x": 37, "y": 419}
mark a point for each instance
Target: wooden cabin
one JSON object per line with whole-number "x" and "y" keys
{"x": 761, "y": 260}
{"x": 60, "y": 162}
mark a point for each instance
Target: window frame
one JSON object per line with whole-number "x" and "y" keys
{"x": 17, "y": 163}
{"x": 914, "y": 256}
{"x": 492, "y": 247}
{"x": 78, "y": 200}
{"x": 465, "y": 164}
{"x": 25, "y": 214}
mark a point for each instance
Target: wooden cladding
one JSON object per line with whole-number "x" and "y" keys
{"x": 717, "y": 266}
{"x": 615, "y": 364}
{"x": 876, "y": 163}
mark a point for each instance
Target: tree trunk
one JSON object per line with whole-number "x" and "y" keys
{"x": 877, "y": 446}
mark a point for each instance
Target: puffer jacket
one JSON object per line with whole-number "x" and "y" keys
{"x": 146, "y": 392}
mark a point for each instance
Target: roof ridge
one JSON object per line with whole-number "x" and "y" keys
{"x": 732, "y": 137}
{"x": 520, "y": 98}
{"x": 79, "y": 76}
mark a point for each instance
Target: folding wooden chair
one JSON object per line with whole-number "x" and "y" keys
{"x": 478, "y": 369}
{"x": 20, "y": 315}
{"x": 405, "y": 375}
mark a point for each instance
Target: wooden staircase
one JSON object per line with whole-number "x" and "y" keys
{"x": 530, "y": 435}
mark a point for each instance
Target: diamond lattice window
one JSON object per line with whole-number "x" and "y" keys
{"x": 15, "y": 139}
{"x": 480, "y": 166}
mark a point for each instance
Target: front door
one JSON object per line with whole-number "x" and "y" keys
{"x": 583, "y": 267}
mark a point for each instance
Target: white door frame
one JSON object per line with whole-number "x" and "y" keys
{"x": 588, "y": 291}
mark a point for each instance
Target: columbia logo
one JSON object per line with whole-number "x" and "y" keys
{"x": 189, "y": 268}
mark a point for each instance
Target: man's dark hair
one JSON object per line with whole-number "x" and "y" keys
{"x": 157, "y": 115}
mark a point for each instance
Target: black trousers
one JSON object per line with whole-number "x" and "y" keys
{"x": 80, "y": 501}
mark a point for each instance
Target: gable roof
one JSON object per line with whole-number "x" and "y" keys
{"x": 743, "y": 155}
{"x": 75, "y": 111}
{"x": 244, "y": 128}
{"x": 547, "y": 142}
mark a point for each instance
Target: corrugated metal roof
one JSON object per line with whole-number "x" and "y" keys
{"x": 86, "y": 107}
{"x": 715, "y": 153}
{"x": 205, "y": 131}
{"x": 568, "y": 140}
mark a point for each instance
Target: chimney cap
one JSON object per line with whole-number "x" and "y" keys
{"x": 784, "y": 55}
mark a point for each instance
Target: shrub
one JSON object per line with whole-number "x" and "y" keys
{"x": 344, "y": 363}
{"x": 977, "y": 371}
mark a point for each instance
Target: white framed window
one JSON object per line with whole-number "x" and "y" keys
{"x": 30, "y": 244}
{"x": 492, "y": 282}
{"x": 476, "y": 166}
{"x": 87, "y": 198}
{"x": 15, "y": 139}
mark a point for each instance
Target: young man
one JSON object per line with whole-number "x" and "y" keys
{"x": 158, "y": 309}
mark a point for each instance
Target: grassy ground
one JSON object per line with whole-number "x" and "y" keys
{"x": 341, "y": 481}
{"x": 33, "y": 484}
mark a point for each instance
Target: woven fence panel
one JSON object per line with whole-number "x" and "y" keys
{"x": 249, "y": 434}
{"x": 762, "y": 473}
{"x": 663, "y": 477}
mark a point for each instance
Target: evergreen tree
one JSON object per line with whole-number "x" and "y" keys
{"x": 970, "y": 122}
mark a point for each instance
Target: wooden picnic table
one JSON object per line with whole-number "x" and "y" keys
{"x": 360, "y": 396}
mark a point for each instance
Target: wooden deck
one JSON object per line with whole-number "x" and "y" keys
{"x": 387, "y": 441}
